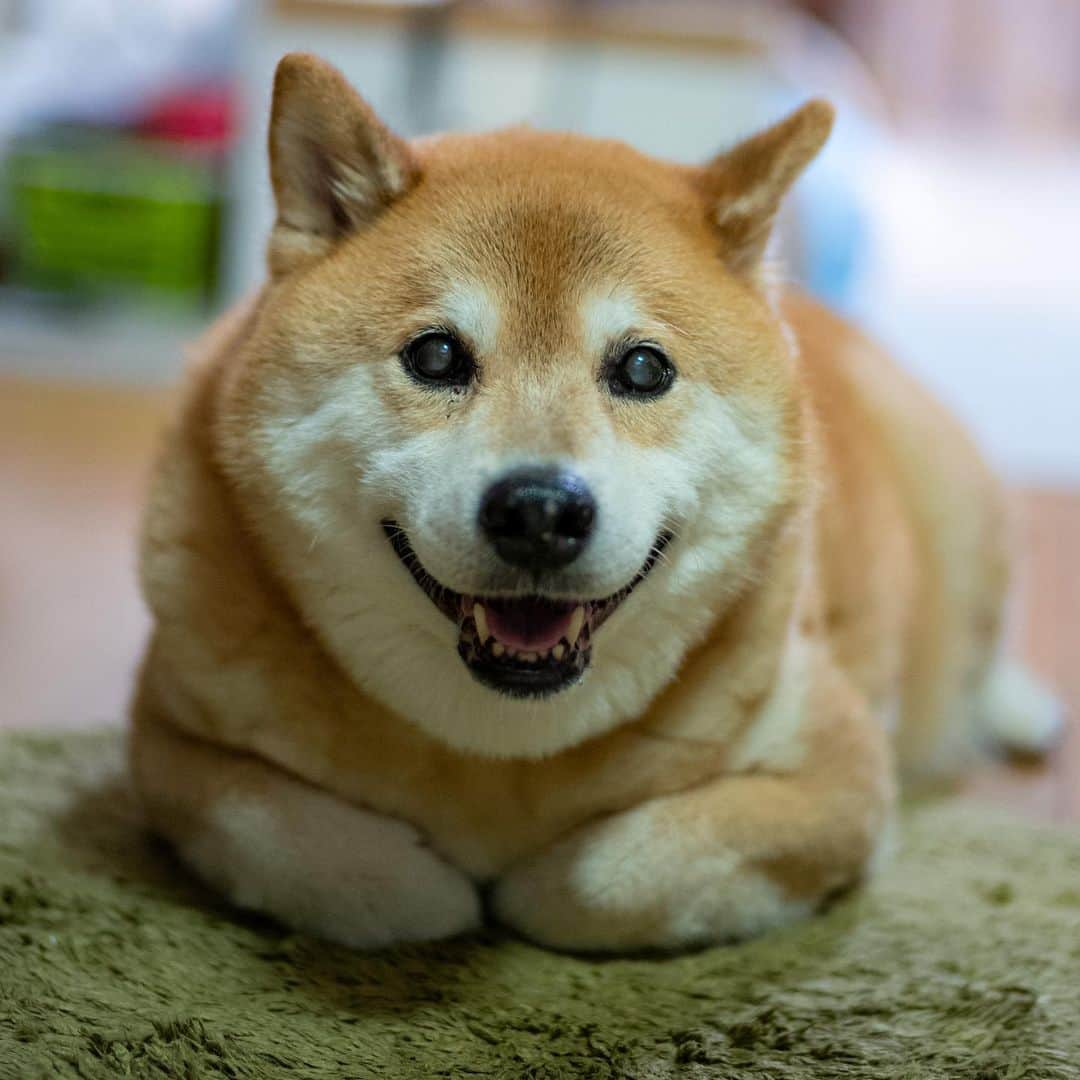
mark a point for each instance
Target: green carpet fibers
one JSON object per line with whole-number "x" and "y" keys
{"x": 961, "y": 961}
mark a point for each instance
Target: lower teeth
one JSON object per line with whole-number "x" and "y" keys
{"x": 556, "y": 653}
{"x": 485, "y": 640}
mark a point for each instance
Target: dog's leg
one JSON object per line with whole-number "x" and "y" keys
{"x": 720, "y": 862}
{"x": 274, "y": 844}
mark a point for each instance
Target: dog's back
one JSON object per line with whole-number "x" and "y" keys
{"x": 915, "y": 554}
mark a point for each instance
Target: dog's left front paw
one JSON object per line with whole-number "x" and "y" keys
{"x": 631, "y": 883}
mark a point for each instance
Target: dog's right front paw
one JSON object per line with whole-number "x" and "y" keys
{"x": 332, "y": 869}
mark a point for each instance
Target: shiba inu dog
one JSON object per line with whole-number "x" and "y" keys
{"x": 521, "y": 540}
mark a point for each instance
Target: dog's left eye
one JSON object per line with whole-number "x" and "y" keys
{"x": 643, "y": 371}
{"x": 438, "y": 358}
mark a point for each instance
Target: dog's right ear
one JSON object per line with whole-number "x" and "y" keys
{"x": 746, "y": 184}
{"x": 333, "y": 164}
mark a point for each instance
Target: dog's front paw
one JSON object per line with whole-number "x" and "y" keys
{"x": 411, "y": 896}
{"x": 631, "y": 883}
{"x": 334, "y": 870}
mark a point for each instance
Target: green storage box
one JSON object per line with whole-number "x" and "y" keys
{"x": 104, "y": 213}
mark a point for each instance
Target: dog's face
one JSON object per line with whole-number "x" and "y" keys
{"x": 512, "y": 420}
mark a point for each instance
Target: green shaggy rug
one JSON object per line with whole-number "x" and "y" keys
{"x": 962, "y": 962}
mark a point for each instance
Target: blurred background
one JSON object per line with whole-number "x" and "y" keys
{"x": 944, "y": 216}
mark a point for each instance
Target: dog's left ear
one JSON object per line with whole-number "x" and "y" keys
{"x": 334, "y": 166}
{"x": 745, "y": 185}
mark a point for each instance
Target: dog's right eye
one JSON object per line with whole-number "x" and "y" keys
{"x": 438, "y": 359}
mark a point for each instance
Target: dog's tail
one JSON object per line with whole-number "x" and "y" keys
{"x": 1016, "y": 712}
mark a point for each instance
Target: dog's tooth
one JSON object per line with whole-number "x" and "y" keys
{"x": 577, "y": 621}
{"x": 498, "y": 648}
{"x": 530, "y": 657}
{"x": 559, "y": 651}
{"x": 480, "y": 615}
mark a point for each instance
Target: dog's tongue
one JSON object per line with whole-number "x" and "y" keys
{"x": 532, "y": 625}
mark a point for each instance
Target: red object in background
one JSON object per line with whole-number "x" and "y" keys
{"x": 202, "y": 115}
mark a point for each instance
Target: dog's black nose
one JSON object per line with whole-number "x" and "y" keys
{"x": 539, "y": 518}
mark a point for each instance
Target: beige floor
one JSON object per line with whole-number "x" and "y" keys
{"x": 73, "y": 463}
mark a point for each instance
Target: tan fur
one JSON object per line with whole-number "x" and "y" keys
{"x": 760, "y": 774}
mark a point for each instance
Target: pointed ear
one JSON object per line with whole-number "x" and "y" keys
{"x": 745, "y": 185}
{"x": 333, "y": 165}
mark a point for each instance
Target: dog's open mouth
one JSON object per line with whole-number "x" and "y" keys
{"x": 525, "y": 646}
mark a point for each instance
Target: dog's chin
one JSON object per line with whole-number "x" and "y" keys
{"x": 525, "y": 646}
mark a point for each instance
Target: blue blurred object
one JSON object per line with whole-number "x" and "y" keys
{"x": 833, "y": 226}
{"x": 826, "y": 237}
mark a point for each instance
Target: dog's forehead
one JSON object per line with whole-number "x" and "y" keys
{"x": 552, "y": 241}
{"x": 528, "y": 292}
{"x": 527, "y": 269}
